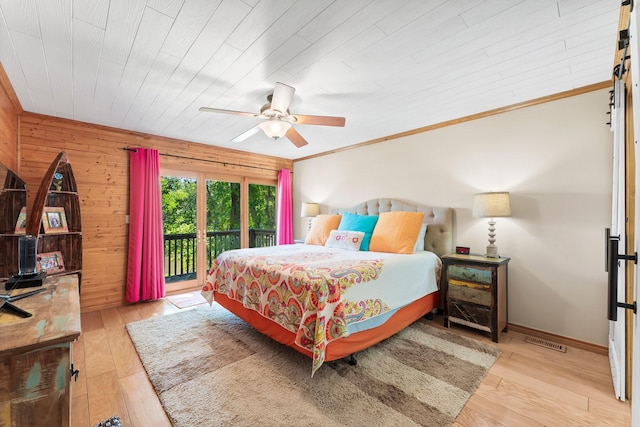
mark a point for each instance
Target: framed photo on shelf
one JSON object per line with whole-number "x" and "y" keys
{"x": 21, "y": 223}
{"x": 54, "y": 220}
{"x": 51, "y": 262}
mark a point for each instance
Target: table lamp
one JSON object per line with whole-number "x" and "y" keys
{"x": 492, "y": 205}
{"x": 309, "y": 210}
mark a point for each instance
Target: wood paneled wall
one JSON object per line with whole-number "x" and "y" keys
{"x": 101, "y": 168}
{"x": 9, "y": 110}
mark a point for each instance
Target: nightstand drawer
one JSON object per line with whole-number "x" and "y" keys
{"x": 472, "y": 313}
{"x": 470, "y": 273}
{"x": 479, "y": 294}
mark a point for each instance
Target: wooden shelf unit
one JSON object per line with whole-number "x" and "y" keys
{"x": 58, "y": 189}
{"x": 13, "y": 197}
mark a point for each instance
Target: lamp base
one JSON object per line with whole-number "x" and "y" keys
{"x": 492, "y": 252}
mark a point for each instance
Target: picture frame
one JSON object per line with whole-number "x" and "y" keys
{"x": 21, "y": 222}
{"x": 51, "y": 262}
{"x": 54, "y": 220}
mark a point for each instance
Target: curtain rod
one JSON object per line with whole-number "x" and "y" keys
{"x": 206, "y": 160}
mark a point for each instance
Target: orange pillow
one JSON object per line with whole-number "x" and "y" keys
{"x": 321, "y": 228}
{"x": 396, "y": 232}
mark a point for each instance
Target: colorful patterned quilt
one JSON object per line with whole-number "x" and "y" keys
{"x": 317, "y": 292}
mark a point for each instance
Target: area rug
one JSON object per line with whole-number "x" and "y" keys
{"x": 186, "y": 300}
{"x": 210, "y": 368}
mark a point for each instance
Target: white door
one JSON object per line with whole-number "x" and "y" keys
{"x": 635, "y": 359}
{"x": 617, "y": 328}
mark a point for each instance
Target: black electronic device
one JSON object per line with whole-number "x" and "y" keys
{"x": 27, "y": 276}
{"x": 19, "y": 281}
{"x": 27, "y": 246}
{"x": 464, "y": 250}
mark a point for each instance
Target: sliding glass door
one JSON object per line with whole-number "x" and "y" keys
{"x": 180, "y": 226}
{"x": 262, "y": 215}
{"x": 223, "y": 218}
{"x": 205, "y": 215}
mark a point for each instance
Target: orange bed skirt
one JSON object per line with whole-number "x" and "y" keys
{"x": 342, "y": 347}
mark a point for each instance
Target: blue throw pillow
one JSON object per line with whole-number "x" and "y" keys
{"x": 364, "y": 223}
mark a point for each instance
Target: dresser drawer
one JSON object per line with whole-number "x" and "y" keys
{"x": 478, "y": 294}
{"x": 472, "y": 313}
{"x": 470, "y": 273}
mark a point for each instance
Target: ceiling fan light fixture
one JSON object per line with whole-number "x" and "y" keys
{"x": 279, "y": 119}
{"x": 274, "y": 128}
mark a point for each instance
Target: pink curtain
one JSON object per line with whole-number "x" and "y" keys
{"x": 284, "y": 226}
{"x": 145, "y": 270}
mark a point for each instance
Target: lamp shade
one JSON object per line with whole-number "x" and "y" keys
{"x": 492, "y": 205}
{"x": 309, "y": 210}
{"x": 274, "y": 128}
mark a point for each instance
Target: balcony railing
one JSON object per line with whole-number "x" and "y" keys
{"x": 180, "y": 249}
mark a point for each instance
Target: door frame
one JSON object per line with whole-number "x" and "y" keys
{"x": 192, "y": 284}
{"x": 633, "y": 181}
{"x": 201, "y": 178}
{"x": 245, "y": 190}
{"x": 201, "y": 260}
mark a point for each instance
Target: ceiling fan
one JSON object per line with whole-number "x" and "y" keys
{"x": 279, "y": 120}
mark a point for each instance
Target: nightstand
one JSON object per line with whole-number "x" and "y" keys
{"x": 475, "y": 292}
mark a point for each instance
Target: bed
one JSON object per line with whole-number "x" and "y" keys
{"x": 329, "y": 301}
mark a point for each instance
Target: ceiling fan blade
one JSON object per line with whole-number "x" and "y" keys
{"x": 246, "y": 134}
{"x": 318, "y": 120}
{"x": 282, "y": 95}
{"x": 218, "y": 110}
{"x": 296, "y": 138}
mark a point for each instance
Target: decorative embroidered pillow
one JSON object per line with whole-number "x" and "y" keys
{"x": 350, "y": 240}
{"x": 396, "y": 232}
{"x": 354, "y": 222}
{"x": 320, "y": 229}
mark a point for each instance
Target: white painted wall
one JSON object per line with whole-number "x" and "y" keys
{"x": 554, "y": 158}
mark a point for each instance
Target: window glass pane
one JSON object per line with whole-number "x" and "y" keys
{"x": 223, "y": 217}
{"x": 262, "y": 215}
{"x": 179, "y": 226}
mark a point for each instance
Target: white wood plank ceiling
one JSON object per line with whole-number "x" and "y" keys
{"x": 388, "y": 66}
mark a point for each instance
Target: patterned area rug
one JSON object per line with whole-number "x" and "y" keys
{"x": 210, "y": 368}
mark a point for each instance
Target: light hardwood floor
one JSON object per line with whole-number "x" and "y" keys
{"x": 529, "y": 385}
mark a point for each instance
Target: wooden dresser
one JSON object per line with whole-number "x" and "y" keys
{"x": 35, "y": 355}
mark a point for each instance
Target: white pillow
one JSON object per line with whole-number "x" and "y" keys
{"x": 350, "y": 240}
{"x": 420, "y": 240}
